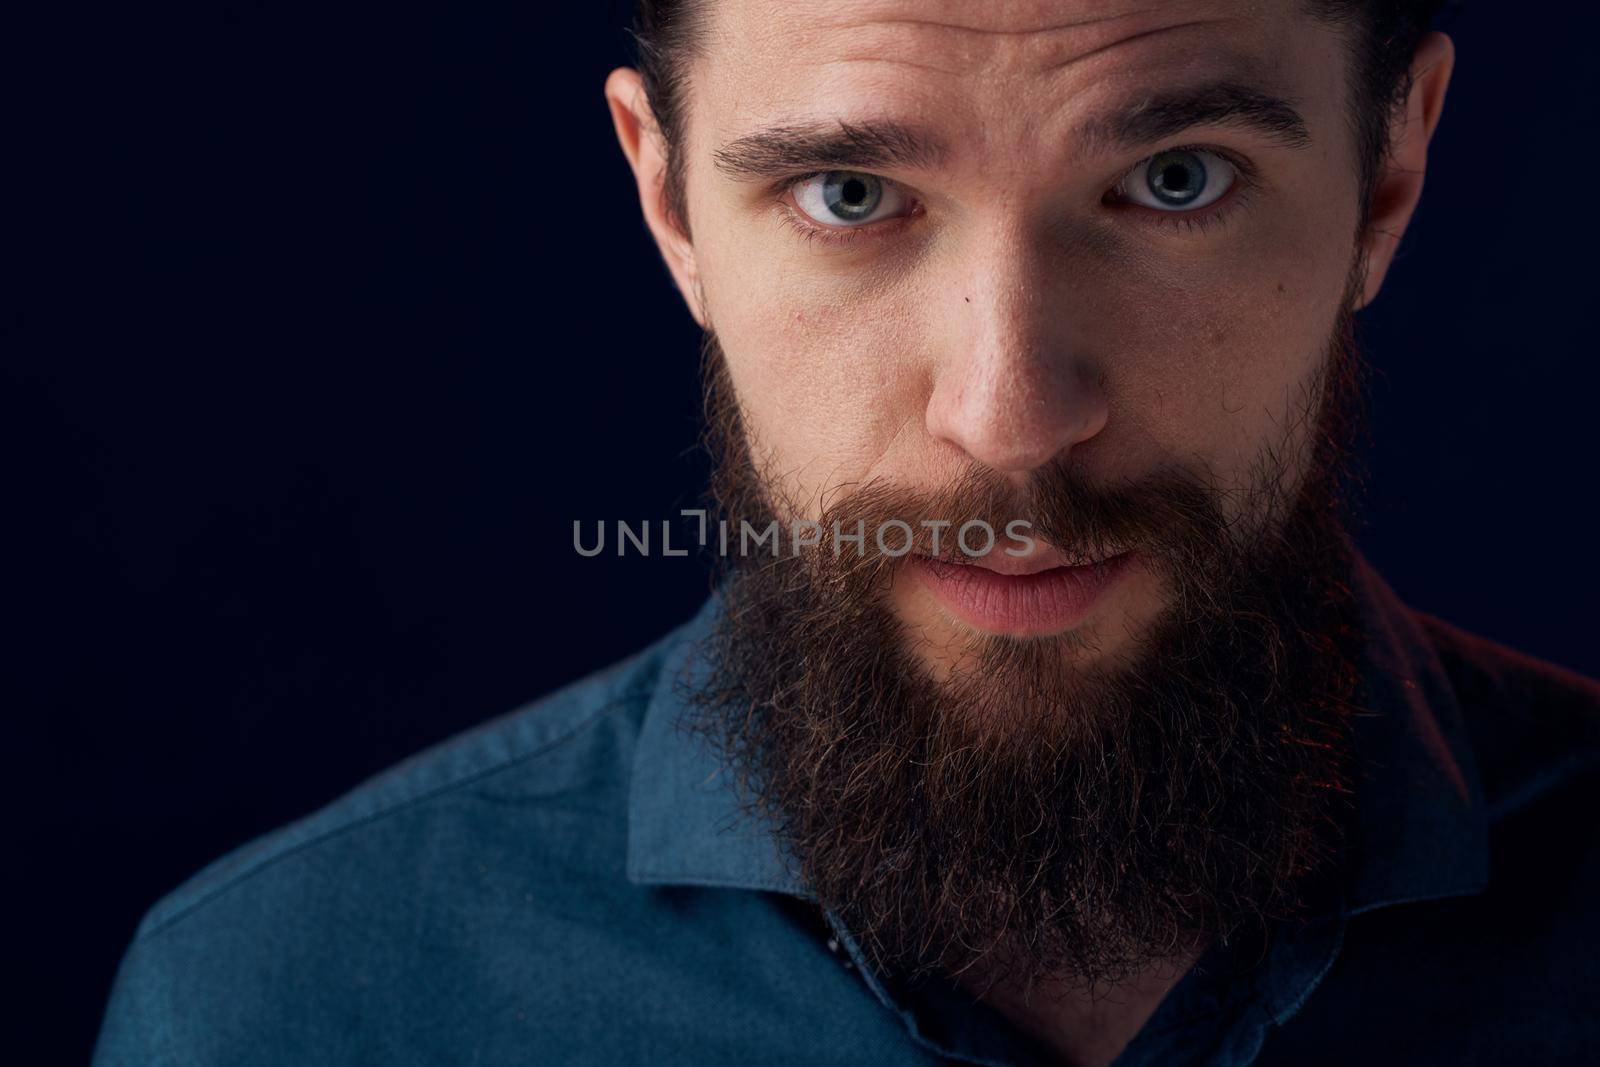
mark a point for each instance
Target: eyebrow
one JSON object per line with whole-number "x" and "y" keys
{"x": 779, "y": 151}
{"x": 1159, "y": 116}
{"x": 784, "y": 150}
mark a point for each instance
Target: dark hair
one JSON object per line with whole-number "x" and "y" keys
{"x": 1383, "y": 37}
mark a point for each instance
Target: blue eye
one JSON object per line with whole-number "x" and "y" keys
{"x": 847, "y": 198}
{"x": 1179, "y": 180}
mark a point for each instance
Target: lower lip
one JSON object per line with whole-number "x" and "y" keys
{"x": 1023, "y": 605}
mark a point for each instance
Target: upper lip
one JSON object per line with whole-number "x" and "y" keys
{"x": 1044, "y": 557}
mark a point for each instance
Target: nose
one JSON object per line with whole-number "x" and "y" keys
{"x": 1014, "y": 390}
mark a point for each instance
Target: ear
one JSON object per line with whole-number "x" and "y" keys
{"x": 642, "y": 143}
{"x": 1399, "y": 185}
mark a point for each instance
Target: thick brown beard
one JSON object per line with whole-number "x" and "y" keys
{"x": 1029, "y": 814}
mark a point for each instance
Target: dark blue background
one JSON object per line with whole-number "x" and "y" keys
{"x": 333, "y": 321}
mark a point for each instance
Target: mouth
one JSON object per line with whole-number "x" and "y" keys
{"x": 1035, "y": 595}
{"x": 1040, "y": 557}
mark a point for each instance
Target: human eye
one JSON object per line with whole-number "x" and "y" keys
{"x": 1178, "y": 180}
{"x": 839, "y": 200}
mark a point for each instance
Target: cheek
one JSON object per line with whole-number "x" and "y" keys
{"x": 1208, "y": 362}
{"x": 827, "y": 386}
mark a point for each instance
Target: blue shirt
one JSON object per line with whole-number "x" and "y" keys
{"x": 572, "y": 884}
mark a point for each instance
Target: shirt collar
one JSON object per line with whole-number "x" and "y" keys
{"x": 1422, "y": 825}
{"x": 1421, "y": 829}
{"x": 685, "y": 825}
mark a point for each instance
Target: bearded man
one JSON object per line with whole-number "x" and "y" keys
{"x": 1054, "y": 717}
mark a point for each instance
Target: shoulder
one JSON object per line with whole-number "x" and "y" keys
{"x": 574, "y": 739}
{"x": 1534, "y": 725}
{"x": 1501, "y": 974}
{"x": 505, "y": 827}
{"x": 1515, "y": 958}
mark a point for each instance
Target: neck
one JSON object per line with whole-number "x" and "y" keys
{"x": 1086, "y": 1026}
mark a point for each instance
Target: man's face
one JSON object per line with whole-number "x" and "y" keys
{"x": 1116, "y": 236}
{"x": 1091, "y": 268}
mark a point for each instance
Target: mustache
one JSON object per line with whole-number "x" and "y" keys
{"x": 1166, "y": 513}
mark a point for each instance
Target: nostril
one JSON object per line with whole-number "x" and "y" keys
{"x": 1015, "y": 417}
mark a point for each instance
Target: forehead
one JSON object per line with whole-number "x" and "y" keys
{"x": 997, "y": 72}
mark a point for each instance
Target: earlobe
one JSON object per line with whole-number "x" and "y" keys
{"x": 642, "y": 144}
{"x": 1399, "y": 184}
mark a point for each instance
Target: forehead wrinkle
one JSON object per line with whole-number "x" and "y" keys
{"x": 938, "y": 24}
{"x": 892, "y": 61}
{"x": 945, "y": 51}
{"x": 1121, "y": 42}
{"x": 950, "y": 47}
{"x": 871, "y": 56}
